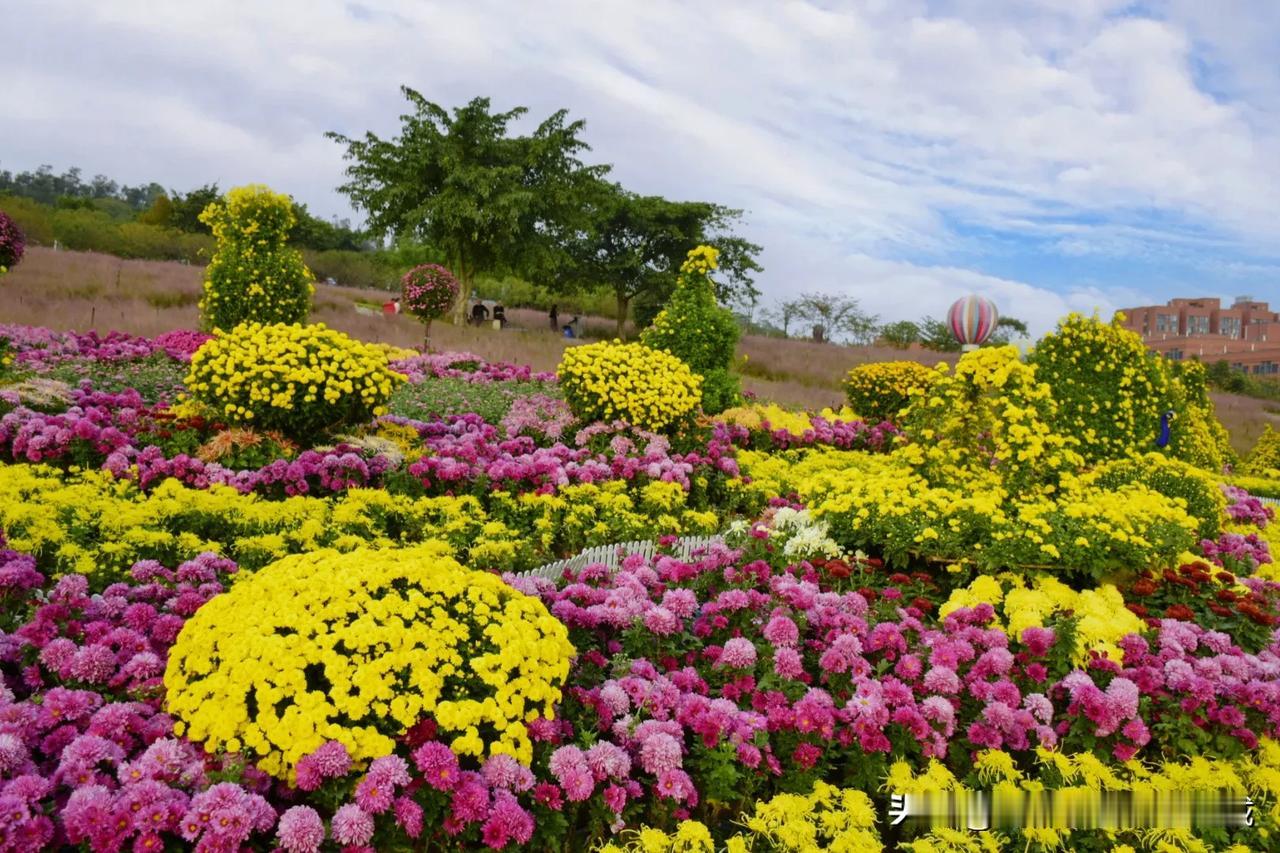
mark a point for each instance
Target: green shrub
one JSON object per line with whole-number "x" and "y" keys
{"x": 697, "y": 330}
{"x": 301, "y": 380}
{"x": 350, "y": 269}
{"x": 35, "y": 219}
{"x": 85, "y": 230}
{"x": 254, "y": 275}
{"x": 1173, "y": 479}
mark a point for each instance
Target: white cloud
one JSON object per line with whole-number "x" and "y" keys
{"x": 869, "y": 141}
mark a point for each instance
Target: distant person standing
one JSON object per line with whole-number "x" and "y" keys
{"x": 500, "y": 316}
{"x": 554, "y": 317}
{"x": 479, "y": 313}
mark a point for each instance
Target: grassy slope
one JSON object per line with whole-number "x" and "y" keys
{"x": 82, "y": 291}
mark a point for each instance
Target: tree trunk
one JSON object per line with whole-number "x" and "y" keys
{"x": 624, "y": 302}
{"x": 466, "y": 282}
{"x": 426, "y": 335}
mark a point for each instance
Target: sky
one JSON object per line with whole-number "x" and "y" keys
{"x": 1053, "y": 155}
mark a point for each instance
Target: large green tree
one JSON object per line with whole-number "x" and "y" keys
{"x": 634, "y": 245}
{"x": 489, "y": 199}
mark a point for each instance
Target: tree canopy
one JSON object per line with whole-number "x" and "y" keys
{"x": 634, "y": 245}
{"x": 489, "y": 199}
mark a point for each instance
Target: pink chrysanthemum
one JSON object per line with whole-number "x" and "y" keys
{"x": 300, "y": 830}
{"x": 352, "y": 825}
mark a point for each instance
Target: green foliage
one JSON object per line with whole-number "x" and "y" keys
{"x": 35, "y": 219}
{"x": 901, "y": 334}
{"x": 44, "y": 187}
{"x": 7, "y": 358}
{"x": 351, "y": 269}
{"x": 1225, "y": 378}
{"x": 185, "y": 210}
{"x": 835, "y": 317}
{"x": 1174, "y": 479}
{"x": 89, "y": 229}
{"x": 254, "y": 275}
{"x": 936, "y": 335}
{"x": 314, "y": 233}
{"x": 156, "y": 377}
{"x": 1006, "y": 329}
{"x": 633, "y": 245}
{"x": 700, "y": 332}
{"x": 435, "y": 398}
{"x": 460, "y": 182}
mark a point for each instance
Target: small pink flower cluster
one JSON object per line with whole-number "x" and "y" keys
{"x": 1236, "y": 552}
{"x": 311, "y": 472}
{"x": 180, "y": 344}
{"x": 486, "y": 799}
{"x": 39, "y": 348}
{"x": 466, "y": 450}
{"x": 97, "y": 423}
{"x": 1243, "y": 506}
{"x": 468, "y": 366}
{"x": 538, "y": 416}
{"x": 846, "y": 435}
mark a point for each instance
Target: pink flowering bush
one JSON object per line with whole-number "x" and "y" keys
{"x": 428, "y": 292}
{"x": 13, "y": 245}
{"x": 180, "y": 344}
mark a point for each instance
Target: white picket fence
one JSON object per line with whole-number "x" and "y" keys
{"x": 613, "y": 555}
{"x": 1272, "y": 501}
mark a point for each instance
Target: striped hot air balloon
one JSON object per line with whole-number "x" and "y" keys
{"x": 972, "y": 320}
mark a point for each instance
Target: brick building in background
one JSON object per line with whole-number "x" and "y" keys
{"x": 1246, "y": 335}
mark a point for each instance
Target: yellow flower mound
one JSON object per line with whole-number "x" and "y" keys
{"x": 879, "y": 391}
{"x": 992, "y": 413}
{"x": 1257, "y": 774}
{"x": 649, "y": 388}
{"x": 756, "y": 415}
{"x": 301, "y": 380}
{"x": 887, "y": 502}
{"x": 1264, "y": 458}
{"x": 827, "y": 818}
{"x": 1102, "y": 618}
{"x": 357, "y": 648}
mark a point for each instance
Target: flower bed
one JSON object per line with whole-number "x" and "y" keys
{"x": 951, "y": 603}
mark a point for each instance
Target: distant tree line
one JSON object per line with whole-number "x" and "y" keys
{"x": 1224, "y": 377}
{"x": 152, "y": 204}
{"x": 834, "y": 317}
